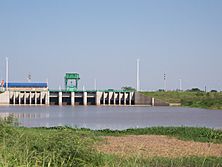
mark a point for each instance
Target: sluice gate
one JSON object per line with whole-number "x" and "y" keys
{"x": 91, "y": 98}
{"x": 28, "y": 97}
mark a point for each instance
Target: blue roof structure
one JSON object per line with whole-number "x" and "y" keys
{"x": 26, "y": 85}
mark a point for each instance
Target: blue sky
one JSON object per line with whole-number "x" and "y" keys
{"x": 102, "y": 39}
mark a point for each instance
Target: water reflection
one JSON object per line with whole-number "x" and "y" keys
{"x": 113, "y": 117}
{"x": 24, "y": 115}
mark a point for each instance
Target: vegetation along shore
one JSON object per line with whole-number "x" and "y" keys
{"x": 191, "y": 98}
{"x": 64, "y": 146}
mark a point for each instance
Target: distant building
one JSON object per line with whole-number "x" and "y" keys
{"x": 15, "y": 86}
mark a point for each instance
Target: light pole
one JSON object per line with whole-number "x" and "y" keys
{"x": 164, "y": 80}
{"x": 6, "y": 73}
{"x": 138, "y": 75}
{"x": 95, "y": 87}
{"x": 180, "y": 84}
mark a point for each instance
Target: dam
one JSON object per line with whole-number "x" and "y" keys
{"x": 40, "y": 94}
{"x": 105, "y": 97}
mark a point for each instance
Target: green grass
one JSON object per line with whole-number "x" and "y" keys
{"x": 46, "y": 147}
{"x": 191, "y": 99}
{"x": 64, "y": 146}
{"x": 183, "y": 133}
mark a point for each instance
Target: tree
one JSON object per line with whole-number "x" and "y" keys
{"x": 128, "y": 88}
{"x": 194, "y": 90}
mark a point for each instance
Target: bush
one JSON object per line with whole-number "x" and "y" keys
{"x": 195, "y": 90}
{"x": 46, "y": 148}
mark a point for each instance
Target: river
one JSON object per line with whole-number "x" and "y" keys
{"x": 111, "y": 117}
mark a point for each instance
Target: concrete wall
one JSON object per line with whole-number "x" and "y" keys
{"x": 140, "y": 99}
{"x": 4, "y": 97}
{"x": 160, "y": 103}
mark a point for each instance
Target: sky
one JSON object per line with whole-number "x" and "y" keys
{"x": 101, "y": 40}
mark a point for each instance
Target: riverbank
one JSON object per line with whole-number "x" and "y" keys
{"x": 209, "y": 100}
{"x": 63, "y": 146}
{"x": 150, "y": 146}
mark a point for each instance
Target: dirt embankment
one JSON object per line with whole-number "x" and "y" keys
{"x": 161, "y": 146}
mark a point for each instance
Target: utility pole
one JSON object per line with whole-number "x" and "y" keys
{"x": 138, "y": 75}
{"x": 180, "y": 84}
{"x": 95, "y": 84}
{"x": 47, "y": 81}
{"x": 29, "y": 77}
{"x": 164, "y": 80}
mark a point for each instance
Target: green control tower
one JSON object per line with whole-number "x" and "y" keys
{"x": 71, "y": 81}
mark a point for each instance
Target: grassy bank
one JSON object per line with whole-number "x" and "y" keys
{"x": 182, "y": 133}
{"x": 46, "y": 147}
{"x": 210, "y": 100}
{"x": 64, "y": 146}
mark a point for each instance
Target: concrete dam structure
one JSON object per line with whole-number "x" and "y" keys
{"x": 75, "y": 98}
{"x": 39, "y": 94}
